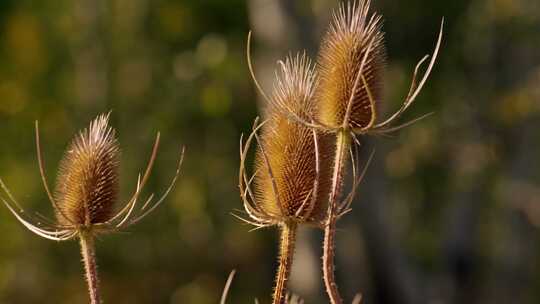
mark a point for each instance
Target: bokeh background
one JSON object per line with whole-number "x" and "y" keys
{"x": 449, "y": 211}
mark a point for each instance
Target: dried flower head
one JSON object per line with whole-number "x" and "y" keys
{"x": 292, "y": 163}
{"x": 87, "y": 188}
{"x": 351, "y": 60}
{"x": 351, "y": 64}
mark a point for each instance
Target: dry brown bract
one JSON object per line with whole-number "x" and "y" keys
{"x": 87, "y": 188}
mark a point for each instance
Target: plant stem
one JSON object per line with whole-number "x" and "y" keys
{"x": 286, "y": 248}
{"x": 90, "y": 266}
{"x": 342, "y": 146}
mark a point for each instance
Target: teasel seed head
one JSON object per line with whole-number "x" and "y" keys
{"x": 85, "y": 201}
{"x": 87, "y": 184}
{"x": 292, "y": 163}
{"x": 351, "y": 63}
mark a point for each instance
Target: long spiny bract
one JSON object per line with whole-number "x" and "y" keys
{"x": 87, "y": 184}
{"x": 352, "y": 48}
{"x": 292, "y": 159}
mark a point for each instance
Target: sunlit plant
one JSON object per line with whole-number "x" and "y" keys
{"x": 86, "y": 196}
{"x": 291, "y": 177}
{"x": 312, "y": 131}
{"x": 351, "y": 62}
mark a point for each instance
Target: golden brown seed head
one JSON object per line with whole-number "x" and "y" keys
{"x": 286, "y": 159}
{"x": 87, "y": 184}
{"x": 343, "y": 49}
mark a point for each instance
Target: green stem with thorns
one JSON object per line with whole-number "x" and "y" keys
{"x": 286, "y": 248}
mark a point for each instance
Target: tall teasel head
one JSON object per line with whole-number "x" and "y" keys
{"x": 291, "y": 179}
{"x": 351, "y": 63}
{"x": 86, "y": 194}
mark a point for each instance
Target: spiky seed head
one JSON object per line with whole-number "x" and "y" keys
{"x": 87, "y": 183}
{"x": 294, "y": 87}
{"x": 343, "y": 49}
{"x": 286, "y": 159}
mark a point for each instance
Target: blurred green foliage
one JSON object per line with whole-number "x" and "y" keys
{"x": 449, "y": 211}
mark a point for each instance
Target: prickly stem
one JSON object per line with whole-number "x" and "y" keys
{"x": 343, "y": 142}
{"x": 90, "y": 266}
{"x": 288, "y": 238}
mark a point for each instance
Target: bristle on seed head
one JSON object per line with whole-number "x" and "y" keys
{"x": 294, "y": 87}
{"x": 353, "y": 43}
{"x": 87, "y": 184}
{"x": 293, "y": 178}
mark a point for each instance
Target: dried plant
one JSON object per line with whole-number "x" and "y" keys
{"x": 86, "y": 195}
{"x": 289, "y": 298}
{"x": 228, "y": 284}
{"x": 351, "y": 62}
{"x": 345, "y": 104}
{"x": 291, "y": 178}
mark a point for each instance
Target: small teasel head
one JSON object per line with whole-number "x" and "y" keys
{"x": 351, "y": 63}
{"x": 87, "y": 184}
{"x": 291, "y": 179}
{"x": 85, "y": 200}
